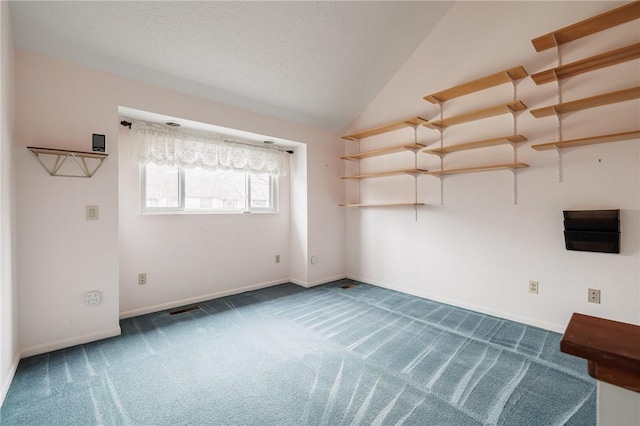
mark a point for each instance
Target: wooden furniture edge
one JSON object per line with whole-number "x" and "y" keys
{"x": 476, "y": 144}
{"x": 54, "y": 151}
{"x": 610, "y": 347}
{"x": 386, "y": 150}
{"x": 491, "y": 111}
{"x": 515, "y": 73}
{"x": 381, "y": 205}
{"x": 612, "y": 137}
{"x": 385, "y": 174}
{"x": 585, "y": 103}
{"x": 489, "y": 168}
{"x": 611, "y": 18}
{"x": 602, "y": 60}
{"x": 390, "y": 127}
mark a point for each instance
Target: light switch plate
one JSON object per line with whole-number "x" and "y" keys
{"x": 92, "y": 212}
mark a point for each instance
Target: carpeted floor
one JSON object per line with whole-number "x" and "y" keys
{"x": 323, "y": 356}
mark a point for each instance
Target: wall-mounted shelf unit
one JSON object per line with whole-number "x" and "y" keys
{"x": 613, "y": 137}
{"x": 590, "y": 102}
{"x": 386, "y": 174}
{"x": 476, "y": 144}
{"x": 612, "y": 18}
{"x": 506, "y": 76}
{"x": 510, "y": 75}
{"x": 609, "y": 19}
{"x": 383, "y": 205}
{"x": 508, "y": 108}
{"x": 493, "y": 167}
{"x": 410, "y": 122}
{"x": 60, "y": 156}
{"x": 414, "y": 147}
{"x": 384, "y": 151}
{"x": 603, "y": 60}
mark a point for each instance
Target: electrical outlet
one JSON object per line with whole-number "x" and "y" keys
{"x": 277, "y": 258}
{"x": 533, "y": 287}
{"x": 594, "y": 295}
{"x": 92, "y": 212}
{"x": 142, "y": 279}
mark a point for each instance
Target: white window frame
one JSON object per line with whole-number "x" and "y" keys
{"x": 181, "y": 209}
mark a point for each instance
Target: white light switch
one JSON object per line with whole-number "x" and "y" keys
{"x": 92, "y": 213}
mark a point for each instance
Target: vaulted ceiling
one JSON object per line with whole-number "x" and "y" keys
{"x": 318, "y": 63}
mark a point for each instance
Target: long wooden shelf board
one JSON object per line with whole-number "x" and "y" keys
{"x": 477, "y": 115}
{"x": 509, "y": 166}
{"x": 593, "y": 101}
{"x": 613, "y": 137}
{"x": 515, "y": 73}
{"x": 383, "y": 151}
{"x": 384, "y": 174}
{"x": 612, "y": 349}
{"x": 612, "y": 18}
{"x": 603, "y": 60}
{"x": 383, "y": 205}
{"x": 79, "y": 154}
{"x": 477, "y": 144}
{"x": 413, "y": 121}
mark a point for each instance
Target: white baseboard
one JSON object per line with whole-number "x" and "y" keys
{"x": 197, "y": 299}
{"x": 68, "y": 342}
{"x": 7, "y": 381}
{"x": 494, "y": 312}
{"x": 318, "y": 282}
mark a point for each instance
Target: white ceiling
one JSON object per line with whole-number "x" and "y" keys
{"x": 317, "y": 63}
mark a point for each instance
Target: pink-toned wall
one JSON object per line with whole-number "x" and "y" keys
{"x": 9, "y": 351}
{"x": 62, "y": 256}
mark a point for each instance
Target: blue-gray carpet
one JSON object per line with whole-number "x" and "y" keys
{"x": 322, "y": 356}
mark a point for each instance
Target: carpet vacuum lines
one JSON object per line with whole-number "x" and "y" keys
{"x": 328, "y": 355}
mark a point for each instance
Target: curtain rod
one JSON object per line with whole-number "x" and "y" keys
{"x": 288, "y": 151}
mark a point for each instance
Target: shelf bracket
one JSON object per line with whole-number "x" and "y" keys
{"x": 559, "y": 162}
{"x": 515, "y": 186}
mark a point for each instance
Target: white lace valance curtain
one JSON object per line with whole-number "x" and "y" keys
{"x": 159, "y": 144}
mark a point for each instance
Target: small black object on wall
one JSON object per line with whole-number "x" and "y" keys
{"x": 592, "y": 230}
{"x": 98, "y": 143}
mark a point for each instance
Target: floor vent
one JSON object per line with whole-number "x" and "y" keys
{"x": 348, "y": 286}
{"x": 185, "y": 310}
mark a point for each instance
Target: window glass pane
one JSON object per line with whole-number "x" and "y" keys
{"x": 260, "y": 191}
{"x": 162, "y": 186}
{"x": 215, "y": 190}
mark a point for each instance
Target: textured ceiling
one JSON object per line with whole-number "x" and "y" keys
{"x": 318, "y": 63}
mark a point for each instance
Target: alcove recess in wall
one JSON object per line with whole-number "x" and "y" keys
{"x": 58, "y": 158}
{"x": 612, "y": 18}
{"x": 507, "y": 76}
{"x": 415, "y": 146}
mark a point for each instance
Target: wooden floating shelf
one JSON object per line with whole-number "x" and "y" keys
{"x": 492, "y": 80}
{"x": 383, "y": 205}
{"x": 609, "y": 19}
{"x": 607, "y": 59}
{"x": 61, "y": 157}
{"x": 614, "y": 137}
{"x": 475, "y": 145}
{"x": 510, "y": 108}
{"x": 383, "y": 151}
{"x": 410, "y": 122}
{"x": 509, "y": 166}
{"x": 610, "y": 347}
{"x": 594, "y": 101}
{"x": 384, "y": 174}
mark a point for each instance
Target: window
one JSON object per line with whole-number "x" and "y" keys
{"x": 174, "y": 188}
